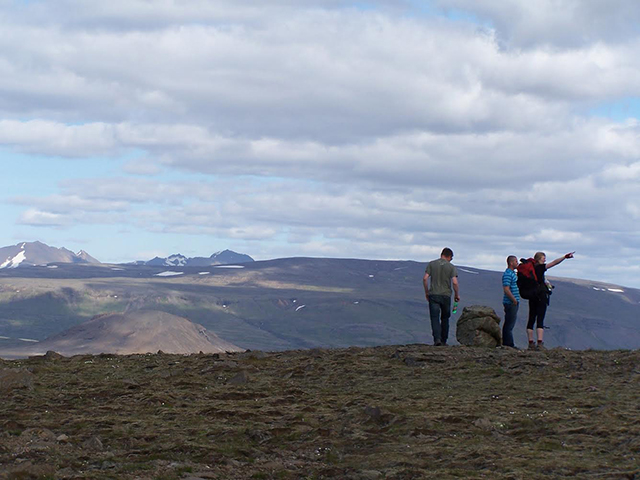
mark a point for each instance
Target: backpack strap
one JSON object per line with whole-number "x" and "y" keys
{"x": 533, "y": 268}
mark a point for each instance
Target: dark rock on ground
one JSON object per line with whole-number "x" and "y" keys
{"x": 15, "y": 378}
{"x": 52, "y": 356}
{"x": 94, "y": 443}
{"x": 27, "y": 470}
{"x": 239, "y": 379}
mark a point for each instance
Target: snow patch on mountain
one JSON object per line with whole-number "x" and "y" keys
{"x": 468, "y": 271}
{"x": 168, "y": 274}
{"x": 614, "y": 290}
{"x": 14, "y": 262}
{"x": 176, "y": 260}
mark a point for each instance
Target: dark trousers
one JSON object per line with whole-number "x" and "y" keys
{"x": 440, "y": 311}
{"x": 537, "y": 311}
{"x": 510, "y": 317}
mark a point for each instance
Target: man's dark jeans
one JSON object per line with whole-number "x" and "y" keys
{"x": 510, "y": 317}
{"x": 440, "y": 311}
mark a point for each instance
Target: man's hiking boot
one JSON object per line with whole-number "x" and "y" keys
{"x": 540, "y": 346}
{"x": 532, "y": 346}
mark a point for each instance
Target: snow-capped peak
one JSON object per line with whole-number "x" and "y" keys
{"x": 176, "y": 260}
{"x": 38, "y": 253}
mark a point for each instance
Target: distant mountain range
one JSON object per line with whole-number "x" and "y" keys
{"x": 37, "y": 253}
{"x": 224, "y": 257}
{"x": 294, "y": 303}
{"x": 28, "y": 254}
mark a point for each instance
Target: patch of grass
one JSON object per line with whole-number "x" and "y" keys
{"x": 434, "y": 420}
{"x": 548, "y": 445}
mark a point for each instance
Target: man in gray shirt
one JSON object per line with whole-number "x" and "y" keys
{"x": 442, "y": 274}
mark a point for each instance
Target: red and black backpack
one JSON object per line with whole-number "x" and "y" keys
{"x": 527, "y": 278}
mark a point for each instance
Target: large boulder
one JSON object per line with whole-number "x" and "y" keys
{"x": 479, "y": 326}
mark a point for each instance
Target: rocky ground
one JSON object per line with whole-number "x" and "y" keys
{"x": 359, "y": 413}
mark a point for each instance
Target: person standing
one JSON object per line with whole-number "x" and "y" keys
{"x": 539, "y": 302}
{"x": 443, "y": 275}
{"x": 510, "y": 300}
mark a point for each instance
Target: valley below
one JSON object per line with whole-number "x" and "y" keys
{"x": 296, "y": 303}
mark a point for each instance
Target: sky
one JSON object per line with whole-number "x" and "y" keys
{"x": 325, "y": 128}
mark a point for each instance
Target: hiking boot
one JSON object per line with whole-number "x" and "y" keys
{"x": 438, "y": 344}
{"x": 540, "y": 347}
{"x": 532, "y": 346}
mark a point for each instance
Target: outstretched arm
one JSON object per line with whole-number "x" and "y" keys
{"x": 559, "y": 260}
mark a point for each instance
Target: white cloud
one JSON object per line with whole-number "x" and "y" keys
{"x": 327, "y": 129}
{"x": 569, "y": 23}
{"x": 39, "y": 218}
{"x": 64, "y": 204}
{"x": 554, "y": 236}
{"x": 320, "y": 75}
{"x": 475, "y": 160}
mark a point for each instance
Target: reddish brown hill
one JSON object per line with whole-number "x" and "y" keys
{"x": 135, "y": 332}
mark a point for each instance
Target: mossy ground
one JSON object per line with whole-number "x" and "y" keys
{"x": 387, "y": 412}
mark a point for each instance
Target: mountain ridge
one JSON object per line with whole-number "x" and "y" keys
{"x": 223, "y": 257}
{"x": 133, "y": 332}
{"x": 302, "y": 302}
{"x": 37, "y": 253}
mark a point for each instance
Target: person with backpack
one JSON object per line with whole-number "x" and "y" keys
{"x": 510, "y": 300}
{"x": 533, "y": 287}
{"x": 443, "y": 275}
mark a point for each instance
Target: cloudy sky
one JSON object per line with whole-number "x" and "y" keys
{"x": 329, "y": 128}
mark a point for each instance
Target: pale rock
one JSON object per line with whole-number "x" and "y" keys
{"x": 479, "y": 326}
